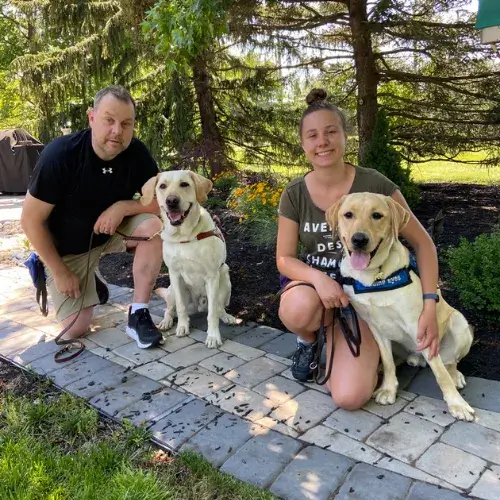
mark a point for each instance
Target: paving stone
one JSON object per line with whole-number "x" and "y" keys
{"x": 385, "y": 411}
{"x": 104, "y": 310}
{"x": 103, "y": 353}
{"x": 254, "y": 372}
{"x": 13, "y": 306}
{"x": 488, "y": 419}
{"x": 452, "y": 465}
{"x": 199, "y": 321}
{"x": 405, "y": 374}
{"x": 408, "y": 396}
{"x": 313, "y": 474}
{"x": 180, "y": 425}
{"x": 153, "y": 406}
{"x": 222, "y": 363}
{"x": 431, "y": 409}
{"x": 47, "y": 364}
{"x": 258, "y": 336}
{"x": 242, "y": 401}
{"x": 154, "y": 370}
{"x": 405, "y": 437}
{"x": 357, "y": 424}
{"x": 134, "y": 353}
{"x": 329, "y": 439}
{"x": 123, "y": 362}
{"x": 174, "y": 344}
{"x": 76, "y": 371}
{"x": 305, "y": 410}
{"x": 240, "y": 350}
{"x": 310, "y": 385}
{"x": 482, "y": 393}
{"x": 105, "y": 380}
{"x": 272, "y": 423}
{"x": 488, "y": 487}
{"x": 262, "y": 458}
{"x": 279, "y": 389}
{"x": 368, "y": 482}
{"x": 110, "y": 338}
{"x": 37, "y": 351}
{"x": 473, "y": 438}
{"x": 109, "y": 321}
{"x": 190, "y": 355}
{"x": 198, "y": 335}
{"x": 11, "y": 346}
{"x": 198, "y": 381}
{"x": 279, "y": 359}
{"x": 424, "y": 383}
{"x": 284, "y": 345}
{"x": 422, "y": 491}
{"x": 389, "y": 463}
{"x": 134, "y": 389}
{"x": 219, "y": 439}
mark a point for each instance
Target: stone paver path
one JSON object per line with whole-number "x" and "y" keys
{"x": 240, "y": 408}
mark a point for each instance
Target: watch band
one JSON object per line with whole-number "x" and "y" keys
{"x": 433, "y": 296}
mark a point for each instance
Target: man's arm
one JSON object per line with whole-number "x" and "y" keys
{"x": 34, "y": 223}
{"x": 133, "y": 207}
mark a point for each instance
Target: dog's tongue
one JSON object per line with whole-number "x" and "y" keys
{"x": 175, "y": 216}
{"x": 360, "y": 260}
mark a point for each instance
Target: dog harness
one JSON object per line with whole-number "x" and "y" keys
{"x": 398, "y": 279}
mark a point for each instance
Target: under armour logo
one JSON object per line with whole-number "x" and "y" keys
{"x": 107, "y": 170}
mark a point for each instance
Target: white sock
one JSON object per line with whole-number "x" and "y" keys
{"x": 138, "y": 305}
{"x": 304, "y": 342}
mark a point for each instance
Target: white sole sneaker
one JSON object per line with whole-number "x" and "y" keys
{"x": 133, "y": 335}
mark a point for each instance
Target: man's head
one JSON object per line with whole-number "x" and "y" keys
{"x": 112, "y": 121}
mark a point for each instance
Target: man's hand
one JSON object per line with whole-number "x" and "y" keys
{"x": 67, "y": 283}
{"x": 110, "y": 219}
{"x": 428, "y": 333}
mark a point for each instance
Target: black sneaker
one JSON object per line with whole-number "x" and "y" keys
{"x": 142, "y": 329}
{"x": 102, "y": 288}
{"x": 301, "y": 361}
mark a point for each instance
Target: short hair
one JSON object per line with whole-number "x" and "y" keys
{"x": 117, "y": 91}
{"x": 316, "y": 100}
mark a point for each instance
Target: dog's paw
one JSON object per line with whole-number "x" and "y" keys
{"x": 462, "y": 411}
{"x": 385, "y": 396}
{"x": 166, "y": 323}
{"x": 228, "y": 319}
{"x": 416, "y": 360}
{"x": 213, "y": 340}
{"x": 182, "y": 329}
{"x": 458, "y": 379}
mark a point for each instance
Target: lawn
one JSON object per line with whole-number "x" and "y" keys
{"x": 53, "y": 446}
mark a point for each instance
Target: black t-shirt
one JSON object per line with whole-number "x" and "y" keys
{"x": 69, "y": 175}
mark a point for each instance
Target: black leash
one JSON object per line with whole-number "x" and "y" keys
{"x": 352, "y": 337}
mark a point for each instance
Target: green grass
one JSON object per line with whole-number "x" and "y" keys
{"x": 52, "y": 446}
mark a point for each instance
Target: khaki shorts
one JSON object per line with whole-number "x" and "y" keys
{"x": 77, "y": 263}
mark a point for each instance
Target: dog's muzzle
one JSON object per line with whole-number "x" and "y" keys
{"x": 176, "y": 216}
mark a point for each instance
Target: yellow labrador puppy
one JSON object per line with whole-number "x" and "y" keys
{"x": 386, "y": 292}
{"x": 194, "y": 251}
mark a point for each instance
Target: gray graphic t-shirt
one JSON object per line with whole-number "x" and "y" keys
{"x": 320, "y": 250}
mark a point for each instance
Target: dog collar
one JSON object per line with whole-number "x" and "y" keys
{"x": 206, "y": 234}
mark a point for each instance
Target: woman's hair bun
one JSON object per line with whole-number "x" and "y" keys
{"x": 316, "y": 95}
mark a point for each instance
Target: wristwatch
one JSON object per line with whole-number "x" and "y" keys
{"x": 433, "y": 296}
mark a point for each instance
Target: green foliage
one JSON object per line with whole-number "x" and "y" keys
{"x": 475, "y": 271}
{"x": 382, "y": 156}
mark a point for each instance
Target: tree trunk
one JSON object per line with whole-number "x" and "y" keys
{"x": 213, "y": 143}
{"x": 366, "y": 73}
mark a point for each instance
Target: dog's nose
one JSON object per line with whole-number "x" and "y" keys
{"x": 172, "y": 201}
{"x": 359, "y": 241}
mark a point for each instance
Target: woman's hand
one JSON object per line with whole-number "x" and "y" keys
{"x": 330, "y": 292}
{"x": 428, "y": 333}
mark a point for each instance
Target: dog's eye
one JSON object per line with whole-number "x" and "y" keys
{"x": 377, "y": 215}
{"x": 348, "y": 215}
{"x": 162, "y": 185}
{"x": 184, "y": 184}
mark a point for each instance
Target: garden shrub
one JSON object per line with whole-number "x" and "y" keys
{"x": 382, "y": 156}
{"x": 476, "y": 273}
{"x": 257, "y": 206}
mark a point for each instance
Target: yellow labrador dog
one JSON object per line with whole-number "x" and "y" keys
{"x": 368, "y": 226}
{"x": 194, "y": 251}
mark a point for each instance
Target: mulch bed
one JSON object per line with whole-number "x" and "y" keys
{"x": 469, "y": 211}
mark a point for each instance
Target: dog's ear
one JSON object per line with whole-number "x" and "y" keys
{"x": 148, "y": 190}
{"x": 202, "y": 185}
{"x": 332, "y": 214}
{"x": 399, "y": 215}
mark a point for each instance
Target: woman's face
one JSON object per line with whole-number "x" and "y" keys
{"x": 323, "y": 138}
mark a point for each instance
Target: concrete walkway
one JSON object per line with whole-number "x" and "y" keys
{"x": 240, "y": 407}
